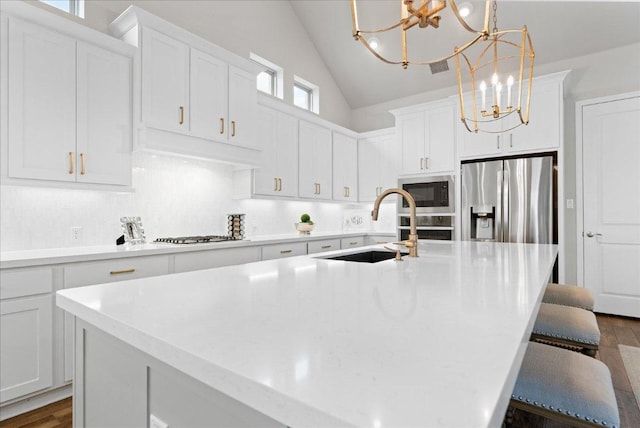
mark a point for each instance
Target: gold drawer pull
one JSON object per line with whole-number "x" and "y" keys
{"x": 82, "y": 163}
{"x": 285, "y": 251}
{"x": 275, "y": 188}
{"x": 326, "y": 246}
{"x": 222, "y": 125}
{"x": 70, "y": 162}
{"x": 233, "y": 128}
{"x": 118, "y": 272}
{"x": 382, "y": 242}
{"x": 353, "y": 243}
{"x": 181, "y": 115}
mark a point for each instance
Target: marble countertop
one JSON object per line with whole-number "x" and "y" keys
{"x": 431, "y": 341}
{"x": 48, "y": 256}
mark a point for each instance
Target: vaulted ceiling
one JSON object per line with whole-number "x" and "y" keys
{"x": 559, "y": 29}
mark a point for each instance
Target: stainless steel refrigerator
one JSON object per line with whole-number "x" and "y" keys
{"x": 510, "y": 200}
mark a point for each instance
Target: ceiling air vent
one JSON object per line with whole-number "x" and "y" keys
{"x": 439, "y": 67}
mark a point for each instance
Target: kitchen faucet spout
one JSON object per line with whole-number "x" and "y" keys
{"x": 412, "y": 242}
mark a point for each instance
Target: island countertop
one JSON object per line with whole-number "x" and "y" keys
{"x": 430, "y": 341}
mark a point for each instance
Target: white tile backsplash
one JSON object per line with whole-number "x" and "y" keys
{"x": 174, "y": 196}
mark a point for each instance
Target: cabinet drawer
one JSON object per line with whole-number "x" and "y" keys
{"x": 215, "y": 258}
{"x": 320, "y": 246}
{"x": 279, "y": 251}
{"x": 346, "y": 243}
{"x": 25, "y": 282}
{"x": 81, "y": 274}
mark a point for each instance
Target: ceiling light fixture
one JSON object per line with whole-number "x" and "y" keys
{"x": 423, "y": 13}
{"x": 498, "y": 95}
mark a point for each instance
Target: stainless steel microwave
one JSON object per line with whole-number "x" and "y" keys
{"x": 432, "y": 194}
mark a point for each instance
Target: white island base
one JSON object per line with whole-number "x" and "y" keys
{"x": 433, "y": 341}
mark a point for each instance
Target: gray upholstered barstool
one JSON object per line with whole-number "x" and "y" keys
{"x": 568, "y": 295}
{"x": 565, "y": 386}
{"x": 568, "y": 327}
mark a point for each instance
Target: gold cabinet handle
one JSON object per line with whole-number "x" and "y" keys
{"x": 233, "y": 128}
{"x": 70, "y": 162}
{"x": 82, "y": 163}
{"x": 285, "y": 251}
{"x": 222, "y": 125}
{"x": 275, "y": 186}
{"x": 353, "y": 243}
{"x": 181, "y": 115}
{"x": 348, "y": 192}
{"x": 382, "y": 242}
{"x": 319, "y": 189}
{"x": 118, "y": 272}
{"x": 326, "y": 246}
{"x": 279, "y": 184}
{"x": 421, "y": 163}
{"x": 426, "y": 163}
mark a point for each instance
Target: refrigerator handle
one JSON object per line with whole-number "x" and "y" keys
{"x": 505, "y": 205}
{"x": 497, "y": 232}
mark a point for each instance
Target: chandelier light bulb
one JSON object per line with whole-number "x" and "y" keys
{"x": 465, "y": 9}
{"x": 374, "y": 43}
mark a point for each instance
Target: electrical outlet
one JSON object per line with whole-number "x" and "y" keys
{"x": 76, "y": 235}
{"x": 156, "y": 422}
{"x": 570, "y": 204}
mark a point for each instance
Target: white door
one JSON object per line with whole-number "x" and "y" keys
{"x": 611, "y": 191}
{"x": 368, "y": 169}
{"x": 165, "y": 82}
{"x": 243, "y": 102}
{"x": 412, "y": 135}
{"x": 26, "y": 360}
{"x": 440, "y": 133}
{"x": 103, "y": 117}
{"x": 208, "y": 97}
{"x": 345, "y": 168}
{"x": 42, "y": 103}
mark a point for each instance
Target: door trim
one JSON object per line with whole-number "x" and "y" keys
{"x": 580, "y": 105}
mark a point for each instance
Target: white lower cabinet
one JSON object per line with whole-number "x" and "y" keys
{"x": 100, "y": 272}
{"x": 321, "y": 246}
{"x": 279, "y": 251}
{"x": 186, "y": 262}
{"x": 355, "y": 242}
{"x": 26, "y": 332}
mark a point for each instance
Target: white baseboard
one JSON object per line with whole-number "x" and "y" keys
{"x": 26, "y": 405}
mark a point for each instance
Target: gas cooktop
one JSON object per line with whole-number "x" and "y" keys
{"x": 197, "y": 239}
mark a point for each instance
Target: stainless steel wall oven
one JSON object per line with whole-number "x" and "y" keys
{"x": 435, "y": 207}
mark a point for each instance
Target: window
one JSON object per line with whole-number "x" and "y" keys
{"x": 74, "y": 7}
{"x": 270, "y": 80}
{"x": 306, "y": 95}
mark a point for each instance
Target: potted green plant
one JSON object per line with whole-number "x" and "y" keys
{"x": 305, "y": 226}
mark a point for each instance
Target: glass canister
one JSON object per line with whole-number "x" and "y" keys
{"x": 235, "y": 226}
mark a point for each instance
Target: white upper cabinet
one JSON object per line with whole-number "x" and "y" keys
{"x": 427, "y": 136}
{"x": 69, "y": 105}
{"x": 197, "y": 98}
{"x": 315, "y": 159}
{"x": 544, "y": 131}
{"x": 345, "y": 168}
{"x": 279, "y": 135}
{"x": 104, "y": 116}
{"x": 377, "y": 164}
{"x": 165, "y": 82}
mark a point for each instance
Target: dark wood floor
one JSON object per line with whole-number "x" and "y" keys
{"x": 614, "y": 331}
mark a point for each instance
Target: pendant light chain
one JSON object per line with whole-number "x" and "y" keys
{"x": 495, "y": 16}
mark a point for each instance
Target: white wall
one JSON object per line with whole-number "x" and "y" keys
{"x": 268, "y": 28}
{"x": 173, "y": 196}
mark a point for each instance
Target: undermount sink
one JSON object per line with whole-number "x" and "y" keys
{"x": 365, "y": 256}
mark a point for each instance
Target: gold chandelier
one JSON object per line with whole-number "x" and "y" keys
{"x": 497, "y": 54}
{"x": 423, "y": 13}
{"x": 497, "y": 57}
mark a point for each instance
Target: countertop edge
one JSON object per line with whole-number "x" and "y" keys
{"x": 43, "y": 257}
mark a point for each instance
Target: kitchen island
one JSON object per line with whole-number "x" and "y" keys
{"x": 308, "y": 341}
